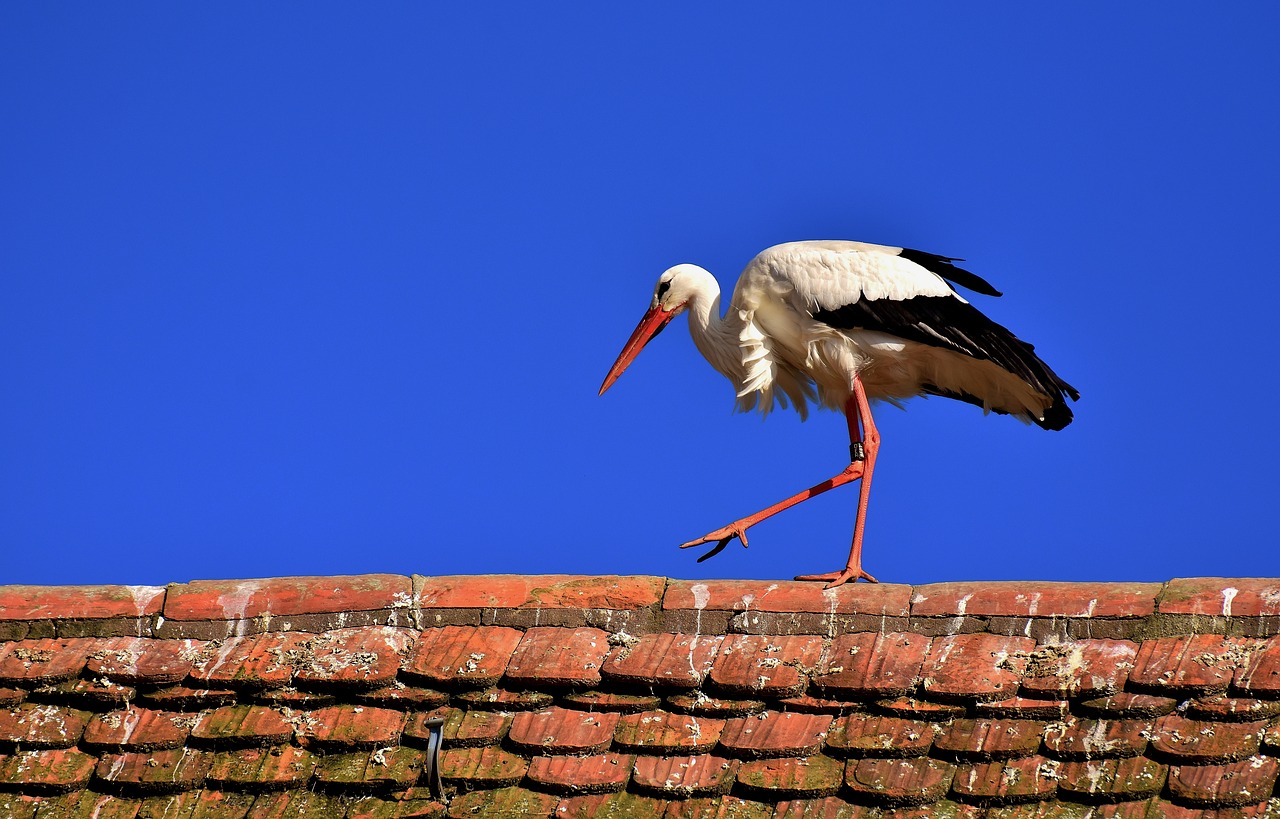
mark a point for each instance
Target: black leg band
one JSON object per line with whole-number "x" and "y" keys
{"x": 856, "y": 452}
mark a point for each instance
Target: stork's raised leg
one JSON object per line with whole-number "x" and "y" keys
{"x": 862, "y": 451}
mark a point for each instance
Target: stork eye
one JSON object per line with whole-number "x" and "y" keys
{"x": 663, "y": 287}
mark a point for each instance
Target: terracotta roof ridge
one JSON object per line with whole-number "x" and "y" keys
{"x": 638, "y": 604}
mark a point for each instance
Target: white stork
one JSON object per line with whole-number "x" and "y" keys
{"x": 843, "y": 324}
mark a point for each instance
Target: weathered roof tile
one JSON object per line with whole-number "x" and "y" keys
{"x": 262, "y": 769}
{"x": 791, "y": 778}
{"x": 138, "y": 729}
{"x": 606, "y": 773}
{"x": 672, "y": 660}
{"x": 558, "y": 656}
{"x": 759, "y": 665}
{"x": 563, "y": 731}
{"x": 462, "y": 655}
{"x": 684, "y": 776}
{"x": 642, "y": 697}
{"x": 871, "y": 664}
{"x": 899, "y": 781}
{"x": 664, "y": 732}
{"x": 1246, "y": 782}
{"x": 774, "y": 734}
{"x": 975, "y": 666}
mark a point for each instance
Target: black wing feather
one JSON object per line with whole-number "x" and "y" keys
{"x": 952, "y": 324}
{"x": 942, "y": 265}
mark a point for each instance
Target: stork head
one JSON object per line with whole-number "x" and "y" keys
{"x": 675, "y": 288}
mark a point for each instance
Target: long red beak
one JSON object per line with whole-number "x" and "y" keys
{"x": 654, "y": 320}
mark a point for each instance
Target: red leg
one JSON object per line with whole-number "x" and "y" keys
{"x": 856, "y": 408}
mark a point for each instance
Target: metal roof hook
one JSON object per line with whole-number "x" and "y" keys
{"x": 431, "y": 767}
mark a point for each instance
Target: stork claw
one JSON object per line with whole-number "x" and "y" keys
{"x": 840, "y": 578}
{"x": 721, "y": 537}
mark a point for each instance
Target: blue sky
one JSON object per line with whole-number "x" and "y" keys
{"x": 321, "y": 289}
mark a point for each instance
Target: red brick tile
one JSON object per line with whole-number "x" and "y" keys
{"x": 809, "y": 704}
{"x": 774, "y": 734}
{"x": 558, "y": 656}
{"x": 899, "y": 781}
{"x": 10, "y": 697}
{"x": 612, "y": 805}
{"x": 1233, "y": 709}
{"x": 47, "y": 772}
{"x": 512, "y": 591}
{"x": 242, "y": 726}
{"x": 202, "y": 804}
{"x": 462, "y": 655}
{"x": 1097, "y": 739}
{"x": 461, "y": 729}
{"x": 1022, "y": 708}
{"x": 872, "y": 664}
{"x": 138, "y": 729}
{"x": 79, "y": 602}
{"x": 262, "y": 661}
{"x": 719, "y": 807}
{"x": 44, "y": 661}
{"x": 500, "y": 699}
{"x": 975, "y": 666}
{"x": 861, "y": 735}
{"x": 1085, "y": 668}
{"x": 913, "y": 708}
{"x": 684, "y": 776}
{"x": 382, "y": 768}
{"x": 827, "y": 807}
{"x": 562, "y": 731}
{"x": 86, "y": 805}
{"x": 414, "y": 803}
{"x": 262, "y": 769}
{"x": 1246, "y": 782}
{"x": 787, "y": 597}
{"x": 181, "y": 769}
{"x": 349, "y": 727}
{"x": 1112, "y": 780}
{"x": 700, "y": 705}
{"x": 399, "y": 695}
{"x": 1031, "y": 779}
{"x": 607, "y": 773}
{"x": 810, "y": 777}
{"x": 41, "y": 726}
{"x": 1271, "y": 739}
{"x": 990, "y": 739}
{"x": 21, "y": 806}
{"x": 765, "y": 665}
{"x": 1260, "y": 675}
{"x": 293, "y": 699}
{"x": 347, "y": 658}
{"x": 234, "y": 600}
{"x": 609, "y": 701}
{"x": 183, "y": 698}
{"x": 1222, "y": 597}
{"x": 674, "y": 660}
{"x": 664, "y": 732}
{"x": 1039, "y": 599}
{"x": 1126, "y": 705}
{"x": 505, "y": 802}
{"x": 1195, "y": 665}
{"x": 490, "y": 767}
{"x": 1193, "y": 742}
{"x": 89, "y": 694}
{"x": 294, "y": 804}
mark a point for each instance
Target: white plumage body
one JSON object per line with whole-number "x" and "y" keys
{"x": 784, "y": 355}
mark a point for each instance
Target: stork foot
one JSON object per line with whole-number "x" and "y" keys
{"x": 833, "y": 579}
{"x": 722, "y": 537}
